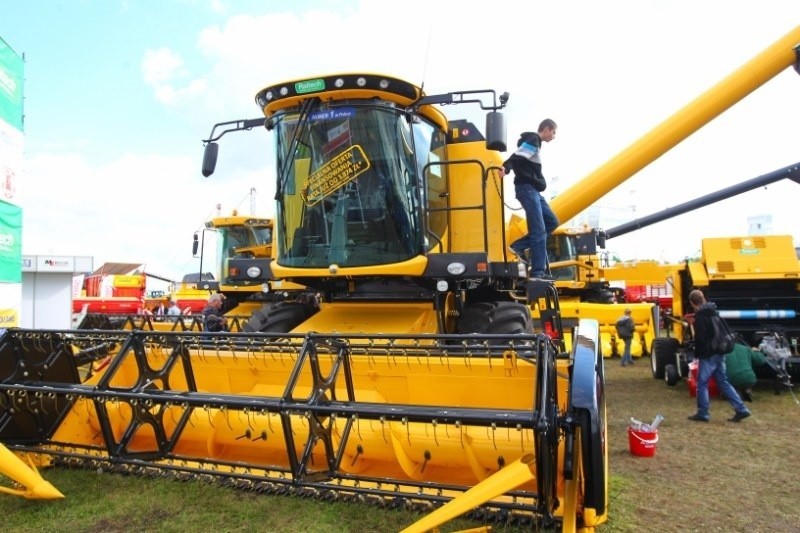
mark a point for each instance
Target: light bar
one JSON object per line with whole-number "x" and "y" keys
{"x": 325, "y": 84}
{"x": 754, "y": 314}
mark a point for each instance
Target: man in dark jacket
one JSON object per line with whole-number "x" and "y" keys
{"x": 625, "y": 328}
{"x": 529, "y": 183}
{"x": 213, "y": 319}
{"x": 710, "y": 363}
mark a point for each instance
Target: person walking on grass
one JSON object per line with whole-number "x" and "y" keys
{"x": 625, "y": 328}
{"x": 710, "y": 363}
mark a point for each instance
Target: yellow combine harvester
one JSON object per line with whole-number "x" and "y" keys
{"x": 242, "y": 251}
{"x": 415, "y": 376}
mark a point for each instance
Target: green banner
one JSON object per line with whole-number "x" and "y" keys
{"x": 11, "y": 67}
{"x": 10, "y": 243}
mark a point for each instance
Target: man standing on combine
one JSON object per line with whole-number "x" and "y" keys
{"x": 529, "y": 183}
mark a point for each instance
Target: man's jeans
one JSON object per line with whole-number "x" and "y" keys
{"x": 715, "y": 366}
{"x": 541, "y": 222}
{"x": 626, "y": 352}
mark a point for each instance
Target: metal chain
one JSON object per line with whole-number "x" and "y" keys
{"x": 497, "y": 188}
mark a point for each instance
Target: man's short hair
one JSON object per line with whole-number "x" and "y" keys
{"x": 696, "y": 297}
{"x": 628, "y": 310}
{"x": 547, "y": 123}
{"x": 216, "y": 297}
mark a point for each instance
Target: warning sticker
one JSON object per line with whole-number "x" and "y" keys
{"x": 335, "y": 174}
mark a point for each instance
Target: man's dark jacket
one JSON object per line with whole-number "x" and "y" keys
{"x": 704, "y": 330}
{"x": 526, "y": 163}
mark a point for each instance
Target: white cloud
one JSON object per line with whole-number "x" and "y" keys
{"x": 165, "y": 72}
{"x": 160, "y": 66}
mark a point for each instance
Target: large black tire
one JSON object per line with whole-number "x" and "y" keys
{"x": 598, "y": 296}
{"x": 671, "y": 375}
{"x": 281, "y": 318}
{"x": 495, "y": 317}
{"x": 663, "y": 354}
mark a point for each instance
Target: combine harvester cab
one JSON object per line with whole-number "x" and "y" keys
{"x": 407, "y": 371}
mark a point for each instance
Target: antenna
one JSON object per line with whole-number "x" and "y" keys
{"x": 253, "y": 201}
{"x": 427, "y": 55}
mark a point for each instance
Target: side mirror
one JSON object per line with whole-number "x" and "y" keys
{"x": 601, "y": 239}
{"x": 210, "y": 158}
{"x": 195, "y": 244}
{"x": 496, "y": 131}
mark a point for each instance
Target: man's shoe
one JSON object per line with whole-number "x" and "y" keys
{"x": 542, "y": 276}
{"x": 522, "y": 255}
{"x": 697, "y": 418}
{"x": 738, "y": 417}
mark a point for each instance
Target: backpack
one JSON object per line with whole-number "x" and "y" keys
{"x": 625, "y": 326}
{"x": 723, "y": 340}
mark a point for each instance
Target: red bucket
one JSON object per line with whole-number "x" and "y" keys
{"x": 642, "y": 443}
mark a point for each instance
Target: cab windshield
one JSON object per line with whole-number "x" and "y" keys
{"x": 239, "y": 241}
{"x": 348, "y": 186}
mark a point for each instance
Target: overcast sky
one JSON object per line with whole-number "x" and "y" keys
{"x": 119, "y": 95}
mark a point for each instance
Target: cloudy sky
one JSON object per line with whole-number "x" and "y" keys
{"x": 120, "y": 94}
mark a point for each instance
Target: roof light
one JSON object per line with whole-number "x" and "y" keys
{"x": 339, "y": 83}
{"x": 361, "y": 82}
{"x": 284, "y": 91}
{"x": 384, "y": 84}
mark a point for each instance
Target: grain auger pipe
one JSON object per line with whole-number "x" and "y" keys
{"x": 777, "y": 57}
{"x": 791, "y": 172}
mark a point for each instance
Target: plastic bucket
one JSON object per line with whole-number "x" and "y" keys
{"x": 642, "y": 443}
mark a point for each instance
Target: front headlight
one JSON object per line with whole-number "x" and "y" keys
{"x": 253, "y": 272}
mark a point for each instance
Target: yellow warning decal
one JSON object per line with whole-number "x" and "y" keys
{"x": 335, "y": 174}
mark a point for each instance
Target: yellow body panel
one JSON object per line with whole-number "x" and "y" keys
{"x": 750, "y": 257}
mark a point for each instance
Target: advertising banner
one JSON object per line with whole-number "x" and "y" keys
{"x": 11, "y": 69}
{"x": 11, "y": 124}
{"x": 10, "y": 302}
{"x": 10, "y": 243}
